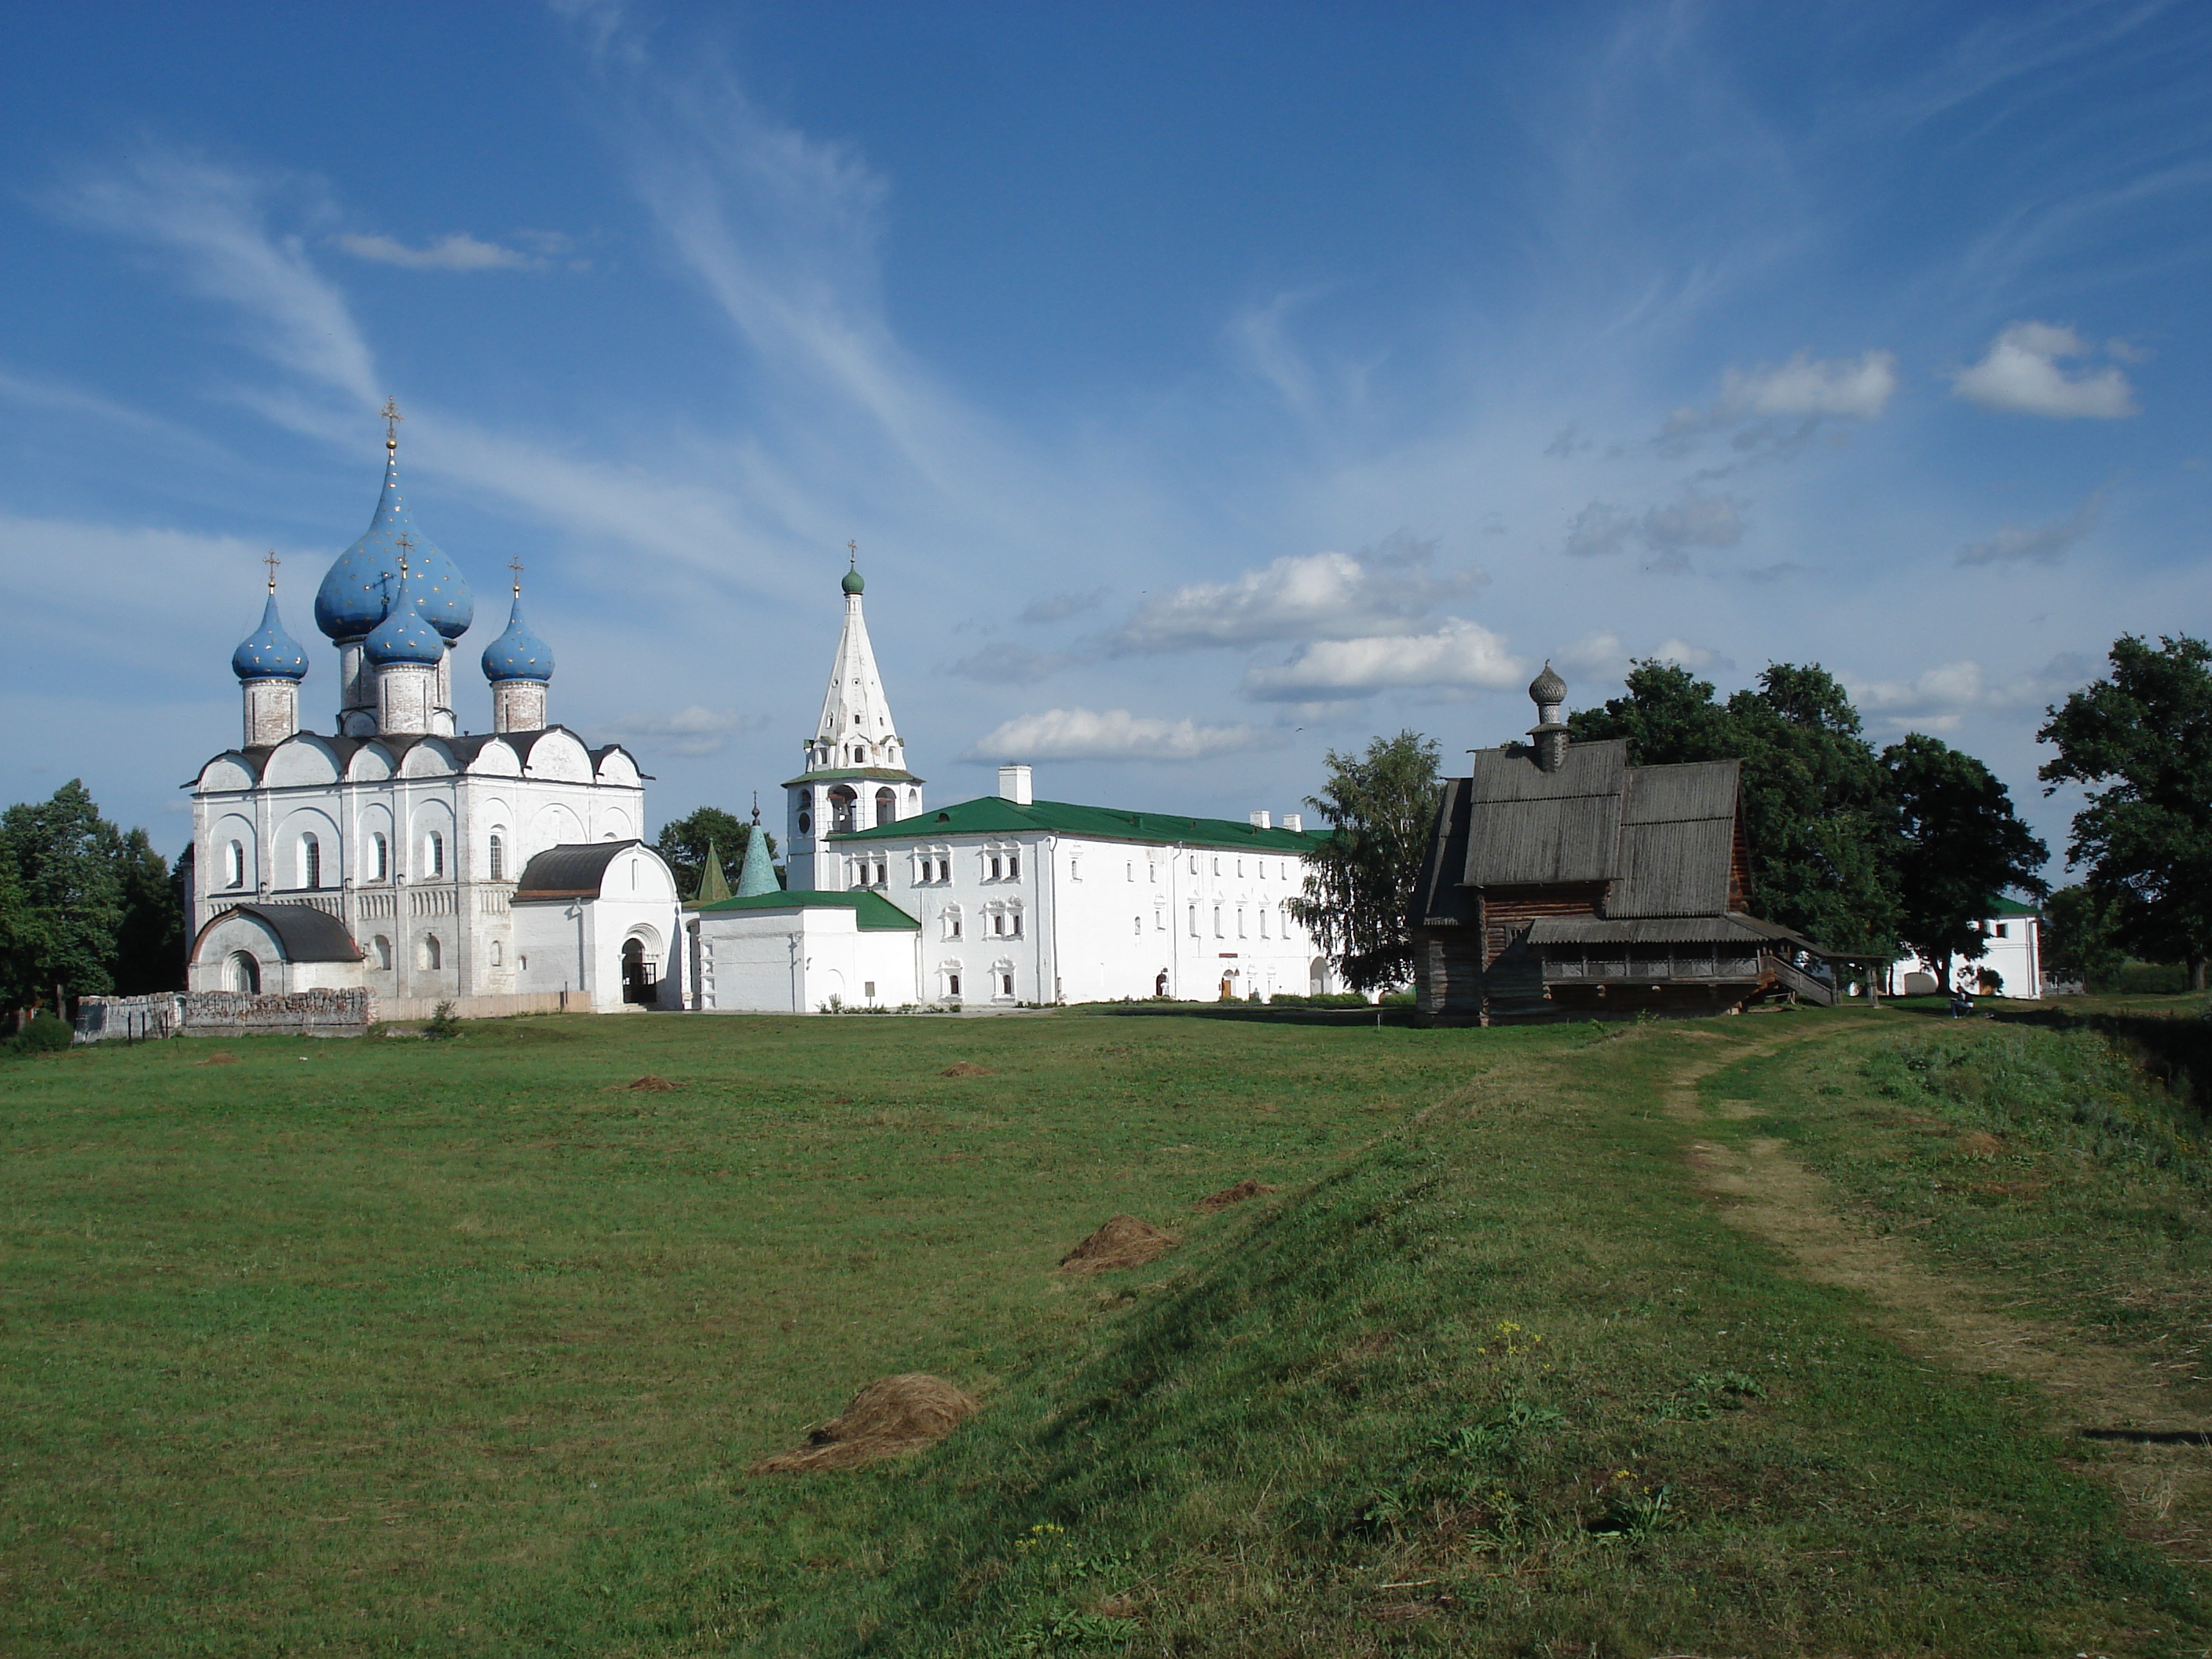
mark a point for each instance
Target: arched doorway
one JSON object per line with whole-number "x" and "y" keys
{"x": 1160, "y": 984}
{"x": 638, "y": 984}
{"x": 245, "y": 974}
{"x": 1317, "y": 975}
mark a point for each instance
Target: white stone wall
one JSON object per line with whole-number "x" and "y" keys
{"x": 797, "y": 961}
{"x": 1097, "y": 919}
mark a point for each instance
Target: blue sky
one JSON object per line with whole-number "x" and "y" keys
{"x": 1205, "y": 387}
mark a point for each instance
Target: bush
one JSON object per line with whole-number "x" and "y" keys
{"x": 2148, "y": 979}
{"x": 46, "y": 1034}
{"x": 442, "y": 1026}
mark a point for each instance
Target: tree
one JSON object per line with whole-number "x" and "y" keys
{"x": 1961, "y": 844}
{"x": 683, "y": 843}
{"x": 1359, "y": 897}
{"x": 22, "y": 939}
{"x": 68, "y": 862}
{"x": 2077, "y": 939}
{"x": 150, "y": 940}
{"x": 2140, "y": 743}
{"x": 1816, "y": 811}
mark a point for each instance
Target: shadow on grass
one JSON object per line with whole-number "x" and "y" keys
{"x": 1253, "y": 1013}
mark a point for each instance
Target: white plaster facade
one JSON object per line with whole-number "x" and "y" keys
{"x": 2012, "y": 949}
{"x": 801, "y": 958}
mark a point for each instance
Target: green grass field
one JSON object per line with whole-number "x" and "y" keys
{"x": 398, "y": 1347}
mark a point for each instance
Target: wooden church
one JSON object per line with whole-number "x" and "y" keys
{"x": 1563, "y": 882}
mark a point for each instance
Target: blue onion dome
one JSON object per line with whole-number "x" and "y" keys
{"x": 358, "y": 591}
{"x": 269, "y": 652}
{"x": 519, "y": 653}
{"x": 405, "y": 634}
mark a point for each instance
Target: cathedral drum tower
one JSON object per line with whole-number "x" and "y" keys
{"x": 855, "y": 776}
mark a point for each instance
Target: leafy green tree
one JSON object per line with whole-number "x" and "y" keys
{"x": 1359, "y": 897}
{"x": 1961, "y": 844}
{"x": 1817, "y": 815}
{"x": 22, "y": 939}
{"x": 69, "y": 861}
{"x": 150, "y": 940}
{"x": 2077, "y": 939}
{"x": 683, "y": 843}
{"x": 2139, "y": 742}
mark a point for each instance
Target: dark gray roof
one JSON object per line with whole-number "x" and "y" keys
{"x": 1650, "y": 930}
{"x": 1442, "y": 897}
{"x": 575, "y": 871}
{"x": 1528, "y": 827}
{"x": 303, "y": 933}
{"x": 1677, "y": 841}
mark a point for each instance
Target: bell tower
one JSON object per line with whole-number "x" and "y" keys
{"x": 854, "y": 776}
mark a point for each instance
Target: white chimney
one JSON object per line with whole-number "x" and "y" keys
{"x": 1014, "y": 785}
{"x": 1262, "y": 820}
{"x": 1293, "y": 821}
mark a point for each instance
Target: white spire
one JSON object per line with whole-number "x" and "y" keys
{"x": 855, "y": 729}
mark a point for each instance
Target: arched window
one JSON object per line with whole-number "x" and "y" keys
{"x": 998, "y": 869}
{"x": 1005, "y": 982}
{"x": 432, "y": 953}
{"x": 379, "y": 852}
{"x": 843, "y": 810}
{"x": 245, "y": 974}
{"x": 1014, "y": 866}
{"x": 953, "y": 922}
{"x": 233, "y": 860}
{"x": 498, "y": 954}
{"x": 1137, "y": 926}
{"x": 805, "y": 823}
{"x": 311, "y": 861}
{"x": 886, "y": 805}
{"x": 434, "y": 855}
{"x": 498, "y": 856}
{"x": 381, "y": 947}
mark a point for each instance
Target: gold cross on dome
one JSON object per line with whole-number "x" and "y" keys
{"x": 272, "y": 561}
{"x": 406, "y": 546}
{"x": 852, "y": 549}
{"x": 391, "y": 418}
{"x": 515, "y": 565}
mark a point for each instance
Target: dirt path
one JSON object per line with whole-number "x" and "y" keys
{"x": 1765, "y": 1191}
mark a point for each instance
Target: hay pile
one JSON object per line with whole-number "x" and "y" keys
{"x": 891, "y": 1416}
{"x": 1123, "y": 1241}
{"x": 1213, "y": 1203}
{"x": 967, "y": 1068}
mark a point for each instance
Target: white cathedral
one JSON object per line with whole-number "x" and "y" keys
{"x": 505, "y": 872}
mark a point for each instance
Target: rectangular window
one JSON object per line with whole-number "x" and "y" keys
{"x": 952, "y": 985}
{"x": 998, "y": 871}
{"x": 1130, "y": 868}
{"x": 1014, "y": 866}
{"x": 1075, "y": 869}
{"x": 1263, "y": 922}
{"x": 1217, "y": 922}
{"x": 1240, "y": 922}
{"x": 1194, "y": 921}
{"x": 2001, "y": 929}
{"x": 1017, "y": 929}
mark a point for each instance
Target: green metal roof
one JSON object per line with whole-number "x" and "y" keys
{"x": 875, "y": 913}
{"x": 2001, "y": 906}
{"x": 994, "y": 815}
{"x": 850, "y": 774}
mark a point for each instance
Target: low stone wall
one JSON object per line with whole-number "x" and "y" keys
{"x": 490, "y": 1007}
{"x": 128, "y": 1019}
{"x": 301, "y": 1014}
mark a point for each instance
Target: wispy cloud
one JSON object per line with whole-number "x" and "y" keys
{"x": 1112, "y": 734}
{"x": 1058, "y": 607}
{"x": 459, "y": 252}
{"x": 690, "y": 731}
{"x": 1461, "y": 655}
{"x": 216, "y": 220}
{"x": 1938, "y": 699}
{"x": 2038, "y": 543}
{"x": 1671, "y": 533}
{"x": 2022, "y": 373}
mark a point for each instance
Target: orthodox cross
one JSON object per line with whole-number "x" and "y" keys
{"x": 272, "y": 561}
{"x": 391, "y": 419}
{"x": 852, "y": 549}
{"x": 406, "y": 546}
{"x": 515, "y": 565}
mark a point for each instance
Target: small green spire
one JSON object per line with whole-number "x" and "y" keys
{"x": 757, "y": 875}
{"x": 713, "y": 883}
{"x": 853, "y": 584}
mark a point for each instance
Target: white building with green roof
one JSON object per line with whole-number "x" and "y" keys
{"x": 1004, "y": 900}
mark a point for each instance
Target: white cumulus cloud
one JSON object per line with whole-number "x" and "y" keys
{"x": 1110, "y": 734}
{"x": 1460, "y": 654}
{"x": 2022, "y": 373}
{"x": 1856, "y": 387}
{"x": 1299, "y": 596}
{"x": 1936, "y": 699}
{"x": 459, "y": 252}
